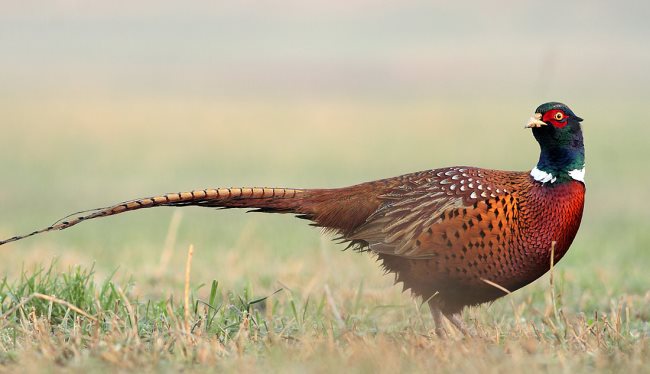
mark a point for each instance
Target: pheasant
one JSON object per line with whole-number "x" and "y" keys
{"x": 455, "y": 236}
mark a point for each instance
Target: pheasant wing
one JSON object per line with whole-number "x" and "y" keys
{"x": 442, "y": 211}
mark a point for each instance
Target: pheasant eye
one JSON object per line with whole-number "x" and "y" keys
{"x": 559, "y": 116}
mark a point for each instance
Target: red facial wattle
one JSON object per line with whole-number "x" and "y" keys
{"x": 556, "y": 117}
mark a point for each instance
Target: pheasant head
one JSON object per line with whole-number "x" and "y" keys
{"x": 559, "y": 134}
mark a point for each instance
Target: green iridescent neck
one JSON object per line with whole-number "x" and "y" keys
{"x": 562, "y": 153}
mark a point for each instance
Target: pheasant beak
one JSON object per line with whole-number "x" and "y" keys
{"x": 535, "y": 121}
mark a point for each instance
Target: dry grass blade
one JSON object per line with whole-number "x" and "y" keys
{"x": 332, "y": 304}
{"x": 555, "y": 313}
{"x": 56, "y": 300}
{"x": 132, "y": 316}
{"x": 496, "y": 285}
{"x": 13, "y": 309}
{"x": 186, "y": 298}
{"x": 49, "y": 298}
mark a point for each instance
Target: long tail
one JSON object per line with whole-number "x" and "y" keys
{"x": 279, "y": 200}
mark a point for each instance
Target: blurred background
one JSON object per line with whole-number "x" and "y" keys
{"x": 101, "y": 102}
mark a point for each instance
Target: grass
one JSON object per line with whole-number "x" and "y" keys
{"x": 91, "y": 326}
{"x": 267, "y": 292}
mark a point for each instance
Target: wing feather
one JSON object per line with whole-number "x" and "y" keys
{"x": 416, "y": 217}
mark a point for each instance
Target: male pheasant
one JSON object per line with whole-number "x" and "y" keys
{"x": 455, "y": 236}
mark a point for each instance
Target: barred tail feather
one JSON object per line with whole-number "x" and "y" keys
{"x": 280, "y": 200}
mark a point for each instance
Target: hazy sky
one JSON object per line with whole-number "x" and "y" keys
{"x": 325, "y": 47}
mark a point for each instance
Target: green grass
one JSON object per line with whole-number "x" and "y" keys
{"x": 335, "y": 310}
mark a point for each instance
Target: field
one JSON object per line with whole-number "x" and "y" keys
{"x": 268, "y": 292}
